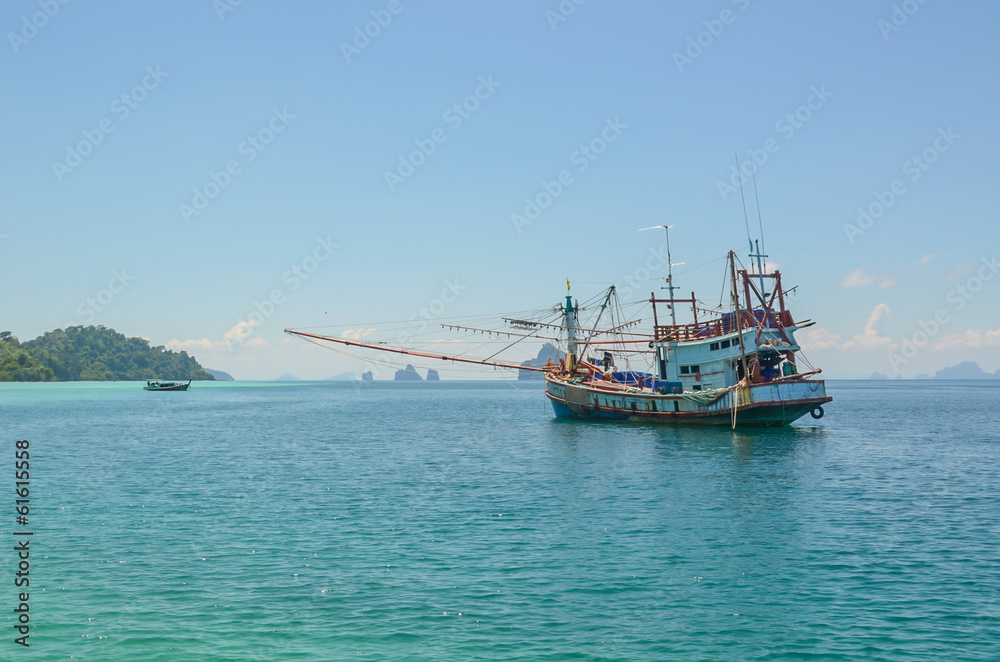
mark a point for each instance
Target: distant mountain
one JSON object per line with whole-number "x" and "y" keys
{"x": 964, "y": 370}
{"x": 289, "y": 377}
{"x": 410, "y": 374}
{"x": 92, "y": 353}
{"x": 922, "y": 376}
{"x": 367, "y": 376}
{"x": 878, "y": 375}
{"x": 220, "y": 376}
{"x": 342, "y": 377}
{"x": 432, "y": 375}
{"x": 545, "y": 354}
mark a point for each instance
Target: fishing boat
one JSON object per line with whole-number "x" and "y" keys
{"x": 734, "y": 368}
{"x": 166, "y": 386}
{"x": 738, "y": 364}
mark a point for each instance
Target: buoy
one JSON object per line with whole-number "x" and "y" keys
{"x": 817, "y": 413}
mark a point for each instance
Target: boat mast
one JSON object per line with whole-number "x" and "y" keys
{"x": 670, "y": 277}
{"x": 593, "y": 331}
{"x": 760, "y": 266}
{"x": 670, "y": 272}
{"x": 569, "y": 315}
{"x": 760, "y": 226}
{"x": 738, "y": 313}
{"x": 746, "y": 221}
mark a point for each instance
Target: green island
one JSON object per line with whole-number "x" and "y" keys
{"x": 91, "y": 353}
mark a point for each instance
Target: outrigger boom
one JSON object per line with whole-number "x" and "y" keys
{"x": 410, "y": 352}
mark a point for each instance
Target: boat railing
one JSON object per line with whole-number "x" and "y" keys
{"x": 721, "y": 326}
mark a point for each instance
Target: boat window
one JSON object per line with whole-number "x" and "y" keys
{"x": 696, "y": 387}
{"x": 685, "y": 370}
{"x": 695, "y": 369}
{"x": 724, "y": 344}
{"x": 713, "y": 347}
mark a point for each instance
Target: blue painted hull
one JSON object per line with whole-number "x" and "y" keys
{"x": 761, "y": 405}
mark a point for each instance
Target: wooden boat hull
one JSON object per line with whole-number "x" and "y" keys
{"x": 167, "y": 387}
{"x": 761, "y": 405}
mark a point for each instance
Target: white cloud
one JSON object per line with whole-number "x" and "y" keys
{"x": 191, "y": 345}
{"x": 860, "y": 278}
{"x": 956, "y": 274}
{"x": 769, "y": 267}
{"x": 357, "y": 334}
{"x": 233, "y": 338}
{"x": 925, "y": 259}
{"x": 872, "y": 338}
{"x": 819, "y": 339}
{"x": 236, "y": 334}
{"x": 971, "y": 339}
{"x": 855, "y": 279}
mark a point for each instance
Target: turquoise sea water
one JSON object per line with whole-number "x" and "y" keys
{"x": 457, "y": 521}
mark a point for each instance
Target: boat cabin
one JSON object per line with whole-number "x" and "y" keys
{"x": 717, "y": 352}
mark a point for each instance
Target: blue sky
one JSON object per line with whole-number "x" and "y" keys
{"x": 122, "y": 119}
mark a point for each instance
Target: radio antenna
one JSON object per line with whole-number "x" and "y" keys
{"x": 743, "y": 199}
{"x": 753, "y": 254}
{"x": 760, "y": 223}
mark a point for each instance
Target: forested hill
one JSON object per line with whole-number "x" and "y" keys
{"x": 91, "y": 353}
